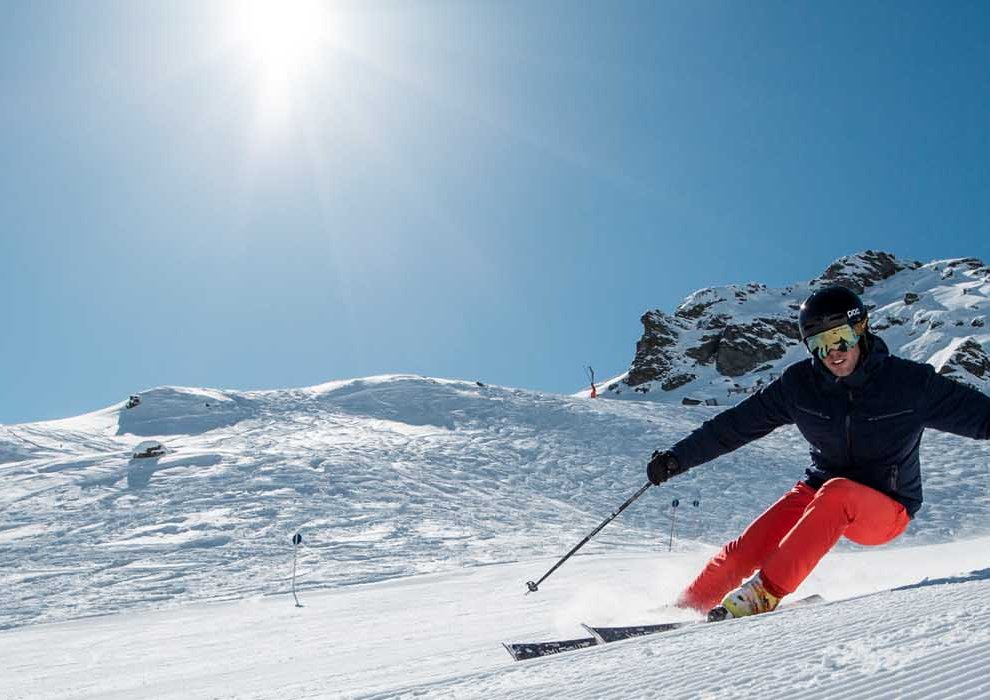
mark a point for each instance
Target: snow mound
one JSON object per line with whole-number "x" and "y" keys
{"x": 183, "y": 411}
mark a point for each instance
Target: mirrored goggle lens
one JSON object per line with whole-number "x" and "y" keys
{"x": 841, "y": 338}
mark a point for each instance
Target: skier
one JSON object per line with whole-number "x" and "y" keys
{"x": 863, "y": 411}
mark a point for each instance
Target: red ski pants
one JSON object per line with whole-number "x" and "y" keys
{"x": 789, "y": 539}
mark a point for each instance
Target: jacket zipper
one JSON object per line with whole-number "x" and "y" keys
{"x": 849, "y": 440}
{"x": 891, "y": 415}
{"x": 893, "y": 478}
{"x": 816, "y": 414}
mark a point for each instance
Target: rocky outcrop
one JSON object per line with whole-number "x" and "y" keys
{"x": 857, "y": 272}
{"x": 968, "y": 357}
{"x": 702, "y": 333}
{"x": 653, "y": 361}
{"x": 724, "y": 342}
{"x": 743, "y": 348}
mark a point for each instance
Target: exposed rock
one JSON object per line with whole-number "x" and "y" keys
{"x": 705, "y": 353}
{"x": 740, "y": 349}
{"x": 750, "y": 333}
{"x": 969, "y": 356}
{"x": 149, "y": 449}
{"x": 749, "y": 290}
{"x": 651, "y": 362}
{"x": 974, "y": 264}
{"x": 688, "y": 401}
{"x": 693, "y": 308}
{"x": 786, "y": 327}
{"x": 677, "y": 381}
{"x": 857, "y": 272}
{"x": 714, "y": 322}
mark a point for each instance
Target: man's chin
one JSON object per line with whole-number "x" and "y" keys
{"x": 840, "y": 372}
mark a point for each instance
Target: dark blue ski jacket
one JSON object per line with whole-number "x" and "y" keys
{"x": 866, "y": 427}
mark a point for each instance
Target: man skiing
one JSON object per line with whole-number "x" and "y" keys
{"x": 863, "y": 411}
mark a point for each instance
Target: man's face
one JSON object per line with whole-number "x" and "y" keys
{"x": 840, "y": 363}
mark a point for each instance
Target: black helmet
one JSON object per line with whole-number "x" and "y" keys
{"x": 831, "y": 307}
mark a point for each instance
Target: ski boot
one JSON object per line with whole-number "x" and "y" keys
{"x": 751, "y": 598}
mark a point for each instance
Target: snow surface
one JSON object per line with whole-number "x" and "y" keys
{"x": 425, "y": 505}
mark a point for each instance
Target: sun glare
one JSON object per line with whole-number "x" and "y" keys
{"x": 282, "y": 36}
{"x": 283, "y": 40}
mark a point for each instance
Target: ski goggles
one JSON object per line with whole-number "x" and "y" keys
{"x": 841, "y": 338}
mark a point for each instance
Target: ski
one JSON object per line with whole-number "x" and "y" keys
{"x": 604, "y": 635}
{"x": 531, "y": 650}
{"x": 523, "y": 651}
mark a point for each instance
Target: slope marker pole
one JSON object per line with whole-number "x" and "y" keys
{"x": 296, "y": 541}
{"x": 673, "y": 516}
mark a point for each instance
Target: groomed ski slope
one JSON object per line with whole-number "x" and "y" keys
{"x": 425, "y": 505}
{"x": 437, "y": 636}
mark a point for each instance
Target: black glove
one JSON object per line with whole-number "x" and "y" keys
{"x": 662, "y": 466}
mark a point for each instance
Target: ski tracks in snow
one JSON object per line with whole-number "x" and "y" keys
{"x": 925, "y": 643}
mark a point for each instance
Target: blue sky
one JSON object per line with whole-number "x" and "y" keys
{"x": 479, "y": 190}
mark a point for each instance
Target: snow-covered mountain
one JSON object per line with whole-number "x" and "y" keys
{"x": 424, "y": 505}
{"x": 385, "y": 477}
{"x": 723, "y": 343}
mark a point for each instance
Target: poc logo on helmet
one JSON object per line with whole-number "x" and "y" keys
{"x": 853, "y": 313}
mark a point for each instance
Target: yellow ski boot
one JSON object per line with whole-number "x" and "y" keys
{"x": 751, "y": 598}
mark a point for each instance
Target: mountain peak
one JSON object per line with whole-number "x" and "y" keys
{"x": 722, "y": 343}
{"x": 862, "y": 270}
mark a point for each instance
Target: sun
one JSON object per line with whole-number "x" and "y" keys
{"x": 282, "y": 36}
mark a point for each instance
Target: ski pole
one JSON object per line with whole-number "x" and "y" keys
{"x": 534, "y": 587}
